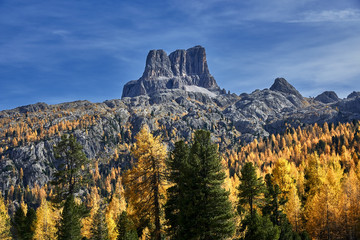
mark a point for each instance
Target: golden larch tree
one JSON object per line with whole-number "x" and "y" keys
{"x": 46, "y": 219}
{"x": 145, "y": 182}
{"x": 5, "y": 233}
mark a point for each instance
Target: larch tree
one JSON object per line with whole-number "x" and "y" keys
{"x": 113, "y": 210}
{"x": 46, "y": 218}
{"x": 5, "y": 223}
{"x": 145, "y": 182}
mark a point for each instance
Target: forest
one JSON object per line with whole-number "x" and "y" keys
{"x": 301, "y": 184}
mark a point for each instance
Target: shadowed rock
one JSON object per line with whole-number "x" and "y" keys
{"x": 327, "y": 97}
{"x": 281, "y": 85}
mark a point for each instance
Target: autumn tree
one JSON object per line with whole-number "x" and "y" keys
{"x": 46, "y": 217}
{"x": 145, "y": 181}
{"x": 5, "y": 225}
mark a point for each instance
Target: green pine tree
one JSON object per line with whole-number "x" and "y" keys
{"x": 99, "y": 229}
{"x": 175, "y": 199}
{"x": 29, "y": 227}
{"x": 70, "y": 226}
{"x": 272, "y": 208}
{"x": 23, "y": 225}
{"x": 18, "y": 224}
{"x": 71, "y": 173}
{"x": 70, "y": 176}
{"x": 126, "y": 228}
{"x": 200, "y": 207}
{"x": 259, "y": 227}
{"x": 251, "y": 189}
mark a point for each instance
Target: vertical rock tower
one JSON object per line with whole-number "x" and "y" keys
{"x": 180, "y": 70}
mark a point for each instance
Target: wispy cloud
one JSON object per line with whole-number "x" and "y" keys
{"x": 345, "y": 15}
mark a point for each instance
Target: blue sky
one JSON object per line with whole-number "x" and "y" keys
{"x": 57, "y": 50}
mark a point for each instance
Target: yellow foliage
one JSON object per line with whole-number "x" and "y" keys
{"x": 5, "y": 233}
{"x": 46, "y": 218}
{"x": 145, "y": 182}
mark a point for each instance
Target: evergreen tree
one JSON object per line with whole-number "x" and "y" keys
{"x": 273, "y": 208}
{"x": 99, "y": 229}
{"x": 250, "y": 189}
{"x": 175, "y": 194}
{"x": 259, "y": 227}
{"x": 18, "y": 223}
{"x": 71, "y": 173}
{"x": 198, "y": 206}
{"x": 70, "y": 226}
{"x": 126, "y": 228}
{"x": 70, "y": 176}
{"x": 29, "y": 227}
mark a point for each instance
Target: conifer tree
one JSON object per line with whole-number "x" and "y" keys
{"x": 46, "y": 217}
{"x": 5, "y": 225}
{"x": 175, "y": 205}
{"x": 145, "y": 181}
{"x": 98, "y": 228}
{"x": 250, "y": 189}
{"x": 71, "y": 174}
{"x": 70, "y": 225}
{"x": 198, "y": 206}
{"x": 126, "y": 228}
{"x": 18, "y": 223}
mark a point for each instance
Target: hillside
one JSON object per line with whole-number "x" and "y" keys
{"x": 174, "y": 111}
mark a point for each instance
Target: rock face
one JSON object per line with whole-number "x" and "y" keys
{"x": 281, "y": 85}
{"x": 327, "y": 97}
{"x": 180, "y": 69}
{"x": 354, "y": 95}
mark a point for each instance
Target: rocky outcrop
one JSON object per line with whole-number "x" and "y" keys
{"x": 353, "y": 95}
{"x": 327, "y": 97}
{"x": 281, "y": 85}
{"x": 180, "y": 69}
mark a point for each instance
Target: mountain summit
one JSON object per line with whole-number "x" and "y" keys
{"x": 182, "y": 69}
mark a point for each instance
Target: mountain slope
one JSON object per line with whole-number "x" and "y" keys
{"x": 106, "y": 130}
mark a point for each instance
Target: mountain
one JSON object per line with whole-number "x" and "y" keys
{"x": 182, "y": 69}
{"x": 175, "y": 96}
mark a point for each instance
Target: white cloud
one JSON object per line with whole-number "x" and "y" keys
{"x": 345, "y": 15}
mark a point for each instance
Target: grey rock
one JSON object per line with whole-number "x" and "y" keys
{"x": 281, "y": 85}
{"x": 327, "y": 97}
{"x": 354, "y": 94}
{"x": 181, "y": 68}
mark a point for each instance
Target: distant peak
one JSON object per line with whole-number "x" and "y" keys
{"x": 281, "y": 85}
{"x": 179, "y": 68}
{"x": 327, "y": 97}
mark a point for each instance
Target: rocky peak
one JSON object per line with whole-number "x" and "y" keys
{"x": 354, "y": 94}
{"x": 180, "y": 69}
{"x": 327, "y": 97}
{"x": 281, "y": 85}
{"x": 157, "y": 65}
